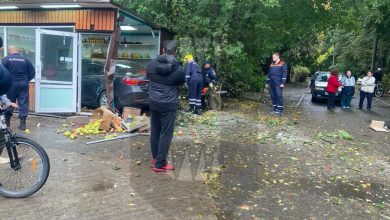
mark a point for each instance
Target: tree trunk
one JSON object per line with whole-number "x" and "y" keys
{"x": 373, "y": 61}
{"x": 109, "y": 72}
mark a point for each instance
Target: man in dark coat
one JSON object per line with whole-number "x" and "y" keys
{"x": 165, "y": 74}
{"x": 378, "y": 75}
{"x": 5, "y": 79}
{"x": 21, "y": 71}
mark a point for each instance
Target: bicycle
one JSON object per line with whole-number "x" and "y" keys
{"x": 24, "y": 164}
{"x": 378, "y": 92}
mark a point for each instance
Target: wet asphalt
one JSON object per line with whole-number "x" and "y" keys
{"x": 270, "y": 180}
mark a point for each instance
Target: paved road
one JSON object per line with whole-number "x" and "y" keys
{"x": 315, "y": 116}
{"x": 83, "y": 185}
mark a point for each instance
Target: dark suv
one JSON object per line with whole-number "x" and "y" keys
{"x": 318, "y": 85}
{"x": 131, "y": 88}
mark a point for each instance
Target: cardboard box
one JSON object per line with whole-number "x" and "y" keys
{"x": 130, "y": 111}
{"x": 378, "y": 126}
{"x": 104, "y": 114}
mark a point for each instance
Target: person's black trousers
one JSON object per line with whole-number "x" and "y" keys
{"x": 363, "y": 96}
{"x": 331, "y": 98}
{"x": 19, "y": 92}
{"x": 161, "y": 134}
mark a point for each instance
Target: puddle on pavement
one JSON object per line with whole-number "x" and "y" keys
{"x": 102, "y": 186}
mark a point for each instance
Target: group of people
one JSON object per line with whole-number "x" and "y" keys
{"x": 16, "y": 72}
{"x": 198, "y": 82}
{"x": 165, "y": 75}
{"x": 347, "y": 85}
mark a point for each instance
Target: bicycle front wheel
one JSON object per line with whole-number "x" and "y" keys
{"x": 32, "y": 174}
{"x": 379, "y": 93}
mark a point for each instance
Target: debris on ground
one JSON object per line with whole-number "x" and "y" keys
{"x": 379, "y": 126}
{"x": 340, "y": 134}
{"x": 104, "y": 121}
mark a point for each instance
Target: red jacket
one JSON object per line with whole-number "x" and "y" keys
{"x": 333, "y": 84}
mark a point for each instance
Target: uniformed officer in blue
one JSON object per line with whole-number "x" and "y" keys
{"x": 277, "y": 76}
{"x": 21, "y": 71}
{"x": 194, "y": 81}
{"x": 209, "y": 75}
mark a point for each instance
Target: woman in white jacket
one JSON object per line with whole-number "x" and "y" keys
{"x": 367, "y": 90}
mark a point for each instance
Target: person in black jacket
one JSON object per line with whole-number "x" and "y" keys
{"x": 5, "y": 85}
{"x": 165, "y": 74}
{"x": 5, "y": 79}
{"x": 378, "y": 75}
{"x": 21, "y": 71}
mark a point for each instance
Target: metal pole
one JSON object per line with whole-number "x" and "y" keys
{"x": 112, "y": 139}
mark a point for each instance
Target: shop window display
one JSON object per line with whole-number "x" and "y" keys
{"x": 24, "y": 40}
{"x": 137, "y": 48}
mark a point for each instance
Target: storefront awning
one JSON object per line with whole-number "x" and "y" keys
{"x": 131, "y": 17}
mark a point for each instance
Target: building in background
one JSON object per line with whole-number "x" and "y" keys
{"x": 58, "y": 36}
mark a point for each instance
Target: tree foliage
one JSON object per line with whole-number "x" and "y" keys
{"x": 239, "y": 36}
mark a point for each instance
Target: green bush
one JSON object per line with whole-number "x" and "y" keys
{"x": 299, "y": 73}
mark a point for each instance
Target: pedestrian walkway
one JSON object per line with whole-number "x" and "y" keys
{"x": 106, "y": 181}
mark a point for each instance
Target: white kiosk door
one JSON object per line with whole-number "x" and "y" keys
{"x": 56, "y": 72}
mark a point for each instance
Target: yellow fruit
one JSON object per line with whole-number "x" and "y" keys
{"x": 67, "y": 133}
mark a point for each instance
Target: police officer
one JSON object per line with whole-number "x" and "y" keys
{"x": 194, "y": 81}
{"x": 21, "y": 71}
{"x": 209, "y": 79}
{"x": 277, "y": 76}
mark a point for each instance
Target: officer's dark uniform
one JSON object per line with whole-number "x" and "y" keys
{"x": 209, "y": 76}
{"x": 194, "y": 80}
{"x": 21, "y": 71}
{"x": 277, "y": 75}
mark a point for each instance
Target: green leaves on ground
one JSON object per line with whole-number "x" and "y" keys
{"x": 340, "y": 134}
